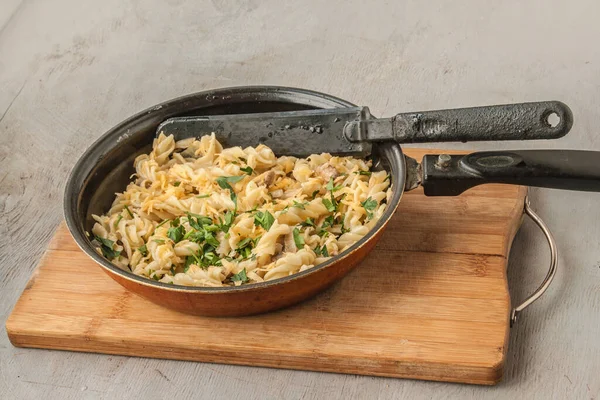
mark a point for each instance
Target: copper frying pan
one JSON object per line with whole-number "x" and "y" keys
{"x": 105, "y": 167}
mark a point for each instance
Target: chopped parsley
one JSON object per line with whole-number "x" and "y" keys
{"x": 176, "y": 234}
{"x": 106, "y": 246}
{"x": 366, "y": 173}
{"x": 331, "y": 187}
{"x": 330, "y": 204}
{"x": 300, "y": 205}
{"x": 228, "y": 221}
{"x": 244, "y": 248}
{"x": 176, "y": 183}
{"x": 264, "y": 219}
{"x": 198, "y": 221}
{"x": 162, "y": 223}
{"x": 315, "y": 193}
{"x": 327, "y": 222}
{"x": 204, "y": 258}
{"x": 210, "y": 239}
{"x": 323, "y": 233}
{"x": 240, "y": 276}
{"x": 369, "y": 205}
{"x": 322, "y": 251}
{"x": 144, "y": 250}
{"x": 189, "y": 260}
{"x": 244, "y": 243}
{"x": 298, "y": 239}
{"x": 224, "y": 181}
{"x": 308, "y": 222}
{"x": 128, "y": 210}
{"x": 247, "y": 170}
{"x": 195, "y": 236}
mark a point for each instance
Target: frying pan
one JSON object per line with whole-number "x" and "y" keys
{"x": 105, "y": 169}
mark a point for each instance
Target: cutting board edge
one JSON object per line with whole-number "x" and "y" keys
{"x": 430, "y": 371}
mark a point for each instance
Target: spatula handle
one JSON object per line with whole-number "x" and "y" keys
{"x": 525, "y": 121}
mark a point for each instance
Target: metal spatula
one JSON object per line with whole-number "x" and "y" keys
{"x": 351, "y": 131}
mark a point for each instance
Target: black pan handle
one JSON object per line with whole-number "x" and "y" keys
{"x": 446, "y": 175}
{"x": 525, "y": 121}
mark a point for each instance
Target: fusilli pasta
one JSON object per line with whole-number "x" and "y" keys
{"x": 197, "y": 214}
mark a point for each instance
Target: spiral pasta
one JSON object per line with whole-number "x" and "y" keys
{"x": 197, "y": 214}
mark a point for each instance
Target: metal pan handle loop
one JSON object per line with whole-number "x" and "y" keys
{"x": 551, "y": 271}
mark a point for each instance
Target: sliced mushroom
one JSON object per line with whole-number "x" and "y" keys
{"x": 327, "y": 172}
{"x": 269, "y": 178}
{"x": 278, "y": 249}
{"x": 289, "y": 245}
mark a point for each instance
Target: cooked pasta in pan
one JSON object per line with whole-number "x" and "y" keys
{"x": 198, "y": 214}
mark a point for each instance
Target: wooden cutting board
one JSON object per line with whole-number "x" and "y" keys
{"x": 430, "y": 302}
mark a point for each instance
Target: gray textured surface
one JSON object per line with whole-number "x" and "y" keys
{"x": 70, "y": 69}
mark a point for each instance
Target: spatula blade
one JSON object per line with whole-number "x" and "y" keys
{"x": 294, "y": 133}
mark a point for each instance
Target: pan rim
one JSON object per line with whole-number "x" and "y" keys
{"x": 72, "y": 192}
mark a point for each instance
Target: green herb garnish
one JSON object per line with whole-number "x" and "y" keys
{"x": 162, "y": 223}
{"x": 244, "y": 243}
{"x": 300, "y": 205}
{"x": 159, "y": 241}
{"x": 315, "y": 193}
{"x": 322, "y": 251}
{"x": 366, "y": 173}
{"x": 247, "y": 170}
{"x": 327, "y": 222}
{"x": 144, "y": 250}
{"x": 106, "y": 246}
{"x": 189, "y": 260}
{"x": 308, "y": 222}
{"x": 240, "y": 276}
{"x": 331, "y": 187}
{"x": 119, "y": 218}
{"x": 298, "y": 239}
{"x": 128, "y": 210}
{"x": 369, "y": 205}
{"x": 198, "y": 221}
{"x": 203, "y": 196}
{"x": 329, "y": 204}
{"x": 176, "y": 234}
{"x": 264, "y": 219}
{"x": 210, "y": 239}
{"x": 323, "y": 233}
{"x": 227, "y": 222}
{"x": 176, "y": 183}
{"x": 195, "y": 236}
{"x": 224, "y": 182}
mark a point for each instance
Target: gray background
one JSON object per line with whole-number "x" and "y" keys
{"x": 71, "y": 69}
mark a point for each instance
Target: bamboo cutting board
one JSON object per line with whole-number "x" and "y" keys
{"x": 430, "y": 302}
